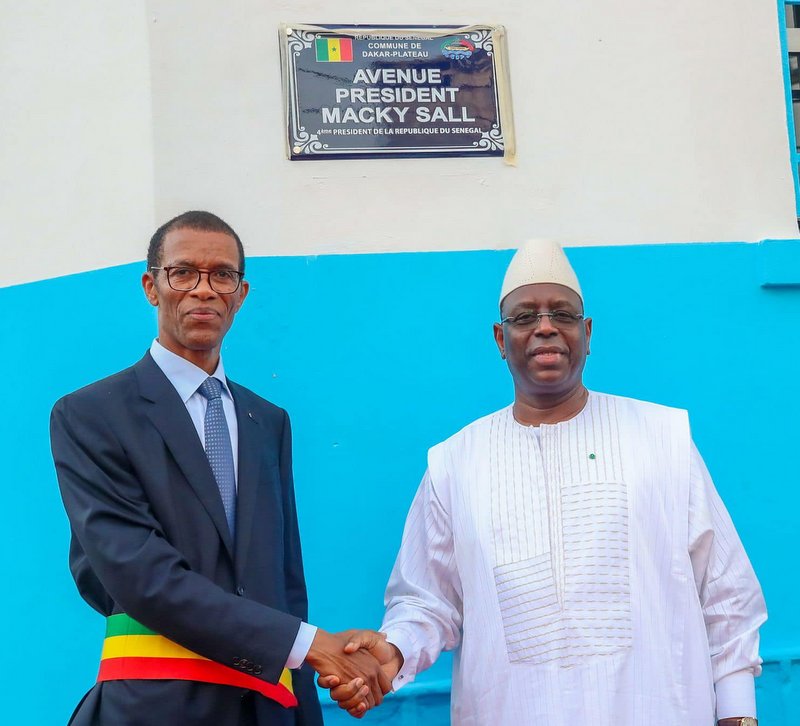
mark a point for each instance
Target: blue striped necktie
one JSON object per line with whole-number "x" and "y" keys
{"x": 218, "y": 448}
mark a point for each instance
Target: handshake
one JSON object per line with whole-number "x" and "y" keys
{"x": 356, "y": 665}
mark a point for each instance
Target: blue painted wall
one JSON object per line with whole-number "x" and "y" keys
{"x": 377, "y": 357}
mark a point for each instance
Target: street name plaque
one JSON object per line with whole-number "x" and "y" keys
{"x": 357, "y": 92}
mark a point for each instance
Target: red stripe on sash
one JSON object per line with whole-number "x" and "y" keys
{"x": 189, "y": 669}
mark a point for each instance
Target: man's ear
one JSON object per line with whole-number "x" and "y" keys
{"x": 588, "y": 327}
{"x": 149, "y": 287}
{"x": 243, "y": 294}
{"x": 500, "y": 340}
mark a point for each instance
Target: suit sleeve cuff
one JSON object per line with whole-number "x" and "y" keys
{"x": 302, "y": 644}
{"x": 736, "y": 695}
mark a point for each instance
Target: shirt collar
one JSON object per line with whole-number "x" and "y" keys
{"x": 186, "y": 377}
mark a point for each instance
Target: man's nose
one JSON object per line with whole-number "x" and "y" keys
{"x": 204, "y": 288}
{"x": 545, "y": 326}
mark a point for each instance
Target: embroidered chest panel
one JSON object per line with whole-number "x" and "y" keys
{"x": 559, "y": 515}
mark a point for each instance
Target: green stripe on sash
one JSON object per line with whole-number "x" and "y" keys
{"x": 122, "y": 624}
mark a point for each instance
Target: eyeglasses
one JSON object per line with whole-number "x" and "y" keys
{"x": 185, "y": 279}
{"x": 528, "y": 320}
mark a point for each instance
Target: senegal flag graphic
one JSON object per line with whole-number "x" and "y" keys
{"x": 334, "y": 50}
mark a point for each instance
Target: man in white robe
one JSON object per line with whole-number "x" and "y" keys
{"x": 571, "y": 548}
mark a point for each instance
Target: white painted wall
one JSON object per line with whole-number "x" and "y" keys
{"x": 637, "y": 122}
{"x": 76, "y": 162}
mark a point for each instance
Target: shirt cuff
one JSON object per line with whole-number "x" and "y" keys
{"x": 736, "y": 695}
{"x": 406, "y": 673}
{"x": 302, "y": 644}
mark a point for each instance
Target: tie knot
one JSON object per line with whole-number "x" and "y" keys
{"x": 211, "y": 388}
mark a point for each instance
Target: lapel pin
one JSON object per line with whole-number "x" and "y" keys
{"x": 592, "y": 456}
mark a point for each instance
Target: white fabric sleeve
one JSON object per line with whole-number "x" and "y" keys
{"x": 423, "y": 597}
{"x": 731, "y": 598}
{"x": 736, "y": 695}
{"x": 302, "y": 644}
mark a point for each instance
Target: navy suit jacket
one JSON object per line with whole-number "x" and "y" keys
{"x": 150, "y": 538}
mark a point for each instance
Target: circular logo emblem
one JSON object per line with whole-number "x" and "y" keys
{"x": 457, "y": 48}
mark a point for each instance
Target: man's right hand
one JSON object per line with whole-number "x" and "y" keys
{"x": 338, "y": 661}
{"x": 350, "y": 695}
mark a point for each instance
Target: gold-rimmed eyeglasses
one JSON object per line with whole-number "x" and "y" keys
{"x": 530, "y": 319}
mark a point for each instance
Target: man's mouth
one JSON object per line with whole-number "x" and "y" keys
{"x": 202, "y": 314}
{"x": 547, "y": 355}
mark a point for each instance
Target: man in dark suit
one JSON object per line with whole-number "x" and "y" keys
{"x": 178, "y": 487}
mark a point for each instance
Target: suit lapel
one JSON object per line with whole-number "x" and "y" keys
{"x": 251, "y": 442}
{"x": 168, "y": 414}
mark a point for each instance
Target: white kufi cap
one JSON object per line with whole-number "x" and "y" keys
{"x": 539, "y": 260}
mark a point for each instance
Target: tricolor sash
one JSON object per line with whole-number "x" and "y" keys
{"x": 132, "y": 651}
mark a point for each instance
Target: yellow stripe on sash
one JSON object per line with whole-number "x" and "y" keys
{"x": 145, "y": 646}
{"x": 286, "y": 679}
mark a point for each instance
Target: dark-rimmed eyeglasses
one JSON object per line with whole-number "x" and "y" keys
{"x": 186, "y": 279}
{"x": 530, "y": 319}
